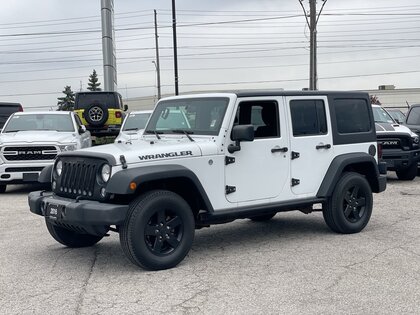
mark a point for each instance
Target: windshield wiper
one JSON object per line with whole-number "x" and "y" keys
{"x": 156, "y": 133}
{"x": 185, "y": 132}
{"x": 130, "y": 129}
{"x": 12, "y": 131}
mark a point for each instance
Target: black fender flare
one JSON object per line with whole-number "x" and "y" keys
{"x": 365, "y": 163}
{"x": 46, "y": 174}
{"x": 120, "y": 181}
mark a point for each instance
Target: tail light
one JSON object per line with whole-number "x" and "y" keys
{"x": 20, "y": 108}
{"x": 379, "y": 151}
{"x": 118, "y": 115}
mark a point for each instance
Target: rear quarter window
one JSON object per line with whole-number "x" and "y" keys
{"x": 352, "y": 116}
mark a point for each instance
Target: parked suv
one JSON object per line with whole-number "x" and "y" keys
{"x": 30, "y": 141}
{"x": 400, "y": 146}
{"x": 133, "y": 125}
{"x": 241, "y": 155}
{"x": 6, "y": 109}
{"x": 101, "y": 112}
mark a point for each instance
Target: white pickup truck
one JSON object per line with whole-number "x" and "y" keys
{"x": 30, "y": 141}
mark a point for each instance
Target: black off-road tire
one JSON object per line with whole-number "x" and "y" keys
{"x": 158, "y": 231}
{"x": 3, "y": 188}
{"x": 97, "y": 107}
{"x": 71, "y": 238}
{"x": 349, "y": 208}
{"x": 408, "y": 173}
{"x": 262, "y": 217}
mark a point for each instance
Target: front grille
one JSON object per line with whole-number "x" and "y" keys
{"x": 403, "y": 143}
{"x": 23, "y": 169}
{"x": 30, "y": 153}
{"x": 79, "y": 178}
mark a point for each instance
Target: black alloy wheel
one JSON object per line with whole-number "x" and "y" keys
{"x": 349, "y": 208}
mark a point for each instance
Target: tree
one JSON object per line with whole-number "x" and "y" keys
{"x": 375, "y": 100}
{"x": 66, "y": 102}
{"x": 93, "y": 84}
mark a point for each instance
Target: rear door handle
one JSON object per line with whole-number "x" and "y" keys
{"x": 323, "y": 146}
{"x": 278, "y": 149}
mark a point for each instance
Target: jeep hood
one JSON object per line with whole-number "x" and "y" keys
{"x": 152, "y": 151}
{"x": 39, "y": 136}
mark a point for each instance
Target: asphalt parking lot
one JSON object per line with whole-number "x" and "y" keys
{"x": 291, "y": 265}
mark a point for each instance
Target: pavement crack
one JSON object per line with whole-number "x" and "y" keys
{"x": 81, "y": 296}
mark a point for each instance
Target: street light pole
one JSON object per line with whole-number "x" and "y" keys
{"x": 175, "y": 47}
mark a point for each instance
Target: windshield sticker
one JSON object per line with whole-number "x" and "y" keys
{"x": 164, "y": 155}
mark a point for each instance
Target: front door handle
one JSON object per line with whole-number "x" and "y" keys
{"x": 323, "y": 146}
{"x": 278, "y": 149}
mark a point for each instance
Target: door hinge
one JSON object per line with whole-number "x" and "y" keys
{"x": 295, "y": 181}
{"x": 229, "y": 160}
{"x": 295, "y": 155}
{"x": 230, "y": 189}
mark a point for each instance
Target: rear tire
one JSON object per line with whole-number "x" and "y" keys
{"x": 71, "y": 238}
{"x": 3, "y": 188}
{"x": 408, "y": 173}
{"x": 158, "y": 231}
{"x": 349, "y": 208}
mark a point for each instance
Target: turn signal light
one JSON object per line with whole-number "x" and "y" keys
{"x": 133, "y": 186}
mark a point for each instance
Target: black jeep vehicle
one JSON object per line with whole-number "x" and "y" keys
{"x": 101, "y": 112}
{"x": 6, "y": 109}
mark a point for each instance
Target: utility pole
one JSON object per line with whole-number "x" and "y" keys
{"x": 312, "y": 24}
{"x": 157, "y": 58}
{"x": 175, "y": 47}
{"x": 312, "y": 55}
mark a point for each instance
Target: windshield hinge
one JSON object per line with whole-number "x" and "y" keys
{"x": 295, "y": 155}
{"x": 295, "y": 181}
{"x": 229, "y": 160}
{"x": 230, "y": 189}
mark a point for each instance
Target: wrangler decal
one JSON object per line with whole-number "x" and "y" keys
{"x": 164, "y": 155}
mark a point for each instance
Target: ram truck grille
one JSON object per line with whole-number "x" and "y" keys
{"x": 402, "y": 143}
{"x": 30, "y": 153}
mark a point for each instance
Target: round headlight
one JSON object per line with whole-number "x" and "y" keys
{"x": 105, "y": 172}
{"x": 59, "y": 168}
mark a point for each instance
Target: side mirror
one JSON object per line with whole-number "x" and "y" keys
{"x": 82, "y": 129}
{"x": 241, "y": 133}
{"x": 125, "y": 107}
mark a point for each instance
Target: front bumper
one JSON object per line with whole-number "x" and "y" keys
{"x": 399, "y": 159}
{"x": 75, "y": 213}
{"x": 15, "y": 173}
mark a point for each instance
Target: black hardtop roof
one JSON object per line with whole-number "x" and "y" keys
{"x": 97, "y": 92}
{"x": 254, "y": 93}
{"x": 9, "y": 104}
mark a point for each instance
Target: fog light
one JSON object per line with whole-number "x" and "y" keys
{"x": 103, "y": 192}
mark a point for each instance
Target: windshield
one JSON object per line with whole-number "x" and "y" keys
{"x": 396, "y": 114}
{"x": 136, "y": 121}
{"x": 85, "y": 100}
{"x": 57, "y": 122}
{"x": 381, "y": 115}
{"x": 202, "y": 116}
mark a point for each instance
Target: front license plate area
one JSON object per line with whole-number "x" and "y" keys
{"x": 30, "y": 177}
{"x": 54, "y": 211}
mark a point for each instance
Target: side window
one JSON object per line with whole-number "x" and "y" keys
{"x": 308, "y": 117}
{"x": 414, "y": 116}
{"x": 263, "y": 115}
{"x": 352, "y": 115}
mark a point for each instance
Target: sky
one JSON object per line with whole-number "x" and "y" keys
{"x": 236, "y": 44}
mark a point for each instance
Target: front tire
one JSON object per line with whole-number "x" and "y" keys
{"x": 349, "y": 208}
{"x": 71, "y": 238}
{"x": 408, "y": 173}
{"x": 158, "y": 231}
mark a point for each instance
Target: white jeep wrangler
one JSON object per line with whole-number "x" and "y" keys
{"x": 241, "y": 155}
